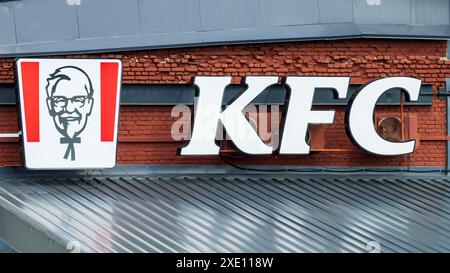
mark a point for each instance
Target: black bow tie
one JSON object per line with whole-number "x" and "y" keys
{"x": 70, "y": 148}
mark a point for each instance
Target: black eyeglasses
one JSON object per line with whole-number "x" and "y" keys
{"x": 61, "y": 101}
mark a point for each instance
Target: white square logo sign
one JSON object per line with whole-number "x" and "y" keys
{"x": 69, "y": 112}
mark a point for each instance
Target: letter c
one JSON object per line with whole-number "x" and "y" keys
{"x": 359, "y": 116}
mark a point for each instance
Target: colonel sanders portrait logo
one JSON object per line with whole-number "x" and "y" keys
{"x": 69, "y": 112}
{"x": 69, "y": 101}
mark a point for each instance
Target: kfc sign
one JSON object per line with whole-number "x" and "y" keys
{"x": 70, "y": 108}
{"x": 298, "y": 115}
{"x": 69, "y": 112}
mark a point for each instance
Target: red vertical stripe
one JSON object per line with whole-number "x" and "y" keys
{"x": 30, "y": 90}
{"x": 108, "y": 96}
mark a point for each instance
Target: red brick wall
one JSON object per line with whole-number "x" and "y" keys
{"x": 145, "y": 130}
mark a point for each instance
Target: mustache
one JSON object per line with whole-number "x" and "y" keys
{"x": 69, "y": 115}
{"x": 74, "y": 116}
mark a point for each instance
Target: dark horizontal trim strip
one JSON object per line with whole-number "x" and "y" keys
{"x": 173, "y": 94}
{"x": 155, "y": 169}
{"x": 226, "y": 37}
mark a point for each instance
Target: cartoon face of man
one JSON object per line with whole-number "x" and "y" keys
{"x": 69, "y": 101}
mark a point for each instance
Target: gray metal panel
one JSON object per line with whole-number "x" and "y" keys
{"x": 402, "y": 31}
{"x": 102, "y": 18}
{"x": 282, "y": 33}
{"x": 425, "y": 14}
{"x": 288, "y": 12}
{"x": 23, "y": 236}
{"x": 388, "y": 12}
{"x": 51, "y": 26}
{"x": 45, "y": 20}
{"x": 7, "y": 27}
{"x": 230, "y": 14}
{"x": 229, "y": 213}
{"x": 330, "y": 12}
{"x": 4, "y": 248}
{"x": 169, "y": 16}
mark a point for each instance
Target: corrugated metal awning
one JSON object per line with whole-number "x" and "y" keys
{"x": 227, "y": 213}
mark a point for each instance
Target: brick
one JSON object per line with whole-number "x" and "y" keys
{"x": 362, "y": 59}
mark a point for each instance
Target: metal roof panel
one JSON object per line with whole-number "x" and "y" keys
{"x": 62, "y": 27}
{"x": 228, "y": 213}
